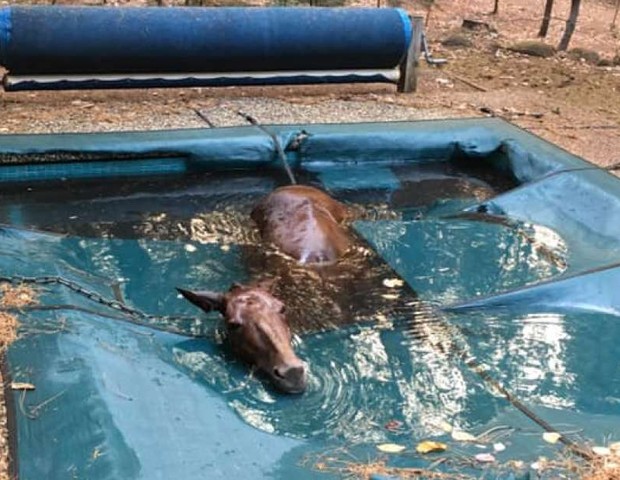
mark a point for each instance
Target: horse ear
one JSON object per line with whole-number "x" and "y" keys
{"x": 205, "y": 299}
{"x": 267, "y": 284}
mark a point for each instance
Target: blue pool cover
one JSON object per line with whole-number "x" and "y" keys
{"x": 60, "y": 46}
{"x": 522, "y": 284}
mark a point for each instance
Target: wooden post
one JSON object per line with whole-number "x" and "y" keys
{"x": 408, "y": 81}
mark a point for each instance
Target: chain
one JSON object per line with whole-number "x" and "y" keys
{"x": 91, "y": 295}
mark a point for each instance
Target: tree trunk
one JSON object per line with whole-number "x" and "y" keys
{"x": 544, "y": 26}
{"x": 570, "y": 24}
{"x": 613, "y": 22}
{"x": 495, "y": 8}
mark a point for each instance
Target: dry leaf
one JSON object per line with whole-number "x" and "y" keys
{"x": 485, "y": 458}
{"x": 601, "y": 451}
{"x": 615, "y": 447}
{"x": 22, "y": 386}
{"x": 461, "y": 436}
{"x": 390, "y": 448}
{"x": 551, "y": 437}
{"x": 429, "y": 446}
{"x": 499, "y": 447}
{"x": 393, "y": 282}
{"x": 390, "y": 296}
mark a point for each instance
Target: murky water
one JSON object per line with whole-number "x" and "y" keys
{"x": 379, "y": 354}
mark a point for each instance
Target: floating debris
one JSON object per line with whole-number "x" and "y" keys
{"x": 391, "y": 448}
{"x": 393, "y": 282}
{"x": 551, "y": 437}
{"x": 461, "y": 436}
{"x": 429, "y": 446}
{"x": 22, "y": 386}
{"x": 485, "y": 458}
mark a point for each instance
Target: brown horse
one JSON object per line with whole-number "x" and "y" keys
{"x": 304, "y": 223}
{"x": 307, "y": 225}
{"x": 257, "y": 331}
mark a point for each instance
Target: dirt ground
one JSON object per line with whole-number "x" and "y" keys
{"x": 565, "y": 100}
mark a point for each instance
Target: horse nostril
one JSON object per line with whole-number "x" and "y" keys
{"x": 291, "y": 373}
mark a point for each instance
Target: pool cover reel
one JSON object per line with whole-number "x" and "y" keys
{"x": 153, "y": 46}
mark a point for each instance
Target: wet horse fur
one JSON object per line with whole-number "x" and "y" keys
{"x": 313, "y": 262}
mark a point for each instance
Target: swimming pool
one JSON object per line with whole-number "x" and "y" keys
{"x": 507, "y": 247}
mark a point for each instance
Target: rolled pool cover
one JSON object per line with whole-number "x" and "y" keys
{"x": 99, "y": 41}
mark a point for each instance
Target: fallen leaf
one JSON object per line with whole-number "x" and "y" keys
{"x": 429, "y": 446}
{"x": 22, "y": 386}
{"x": 393, "y": 282}
{"x": 390, "y": 296}
{"x": 485, "y": 458}
{"x": 461, "y": 436}
{"x": 551, "y": 437}
{"x": 499, "y": 447}
{"x": 615, "y": 447}
{"x": 390, "y": 448}
{"x": 601, "y": 451}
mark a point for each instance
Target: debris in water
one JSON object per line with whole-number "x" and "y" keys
{"x": 390, "y": 448}
{"x": 22, "y": 386}
{"x": 551, "y": 437}
{"x": 499, "y": 447}
{"x": 393, "y": 282}
{"x": 461, "y": 436}
{"x": 390, "y": 296}
{"x": 485, "y": 458}
{"x": 429, "y": 446}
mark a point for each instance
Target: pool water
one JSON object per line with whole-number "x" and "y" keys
{"x": 386, "y": 364}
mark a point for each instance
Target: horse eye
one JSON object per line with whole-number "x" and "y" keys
{"x": 283, "y": 309}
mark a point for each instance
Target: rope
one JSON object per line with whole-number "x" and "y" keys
{"x": 276, "y": 142}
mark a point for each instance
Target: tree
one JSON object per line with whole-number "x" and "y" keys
{"x": 570, "y": 24}
{"x": 544, "y": 26}
{"x": 495, "y": 8}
